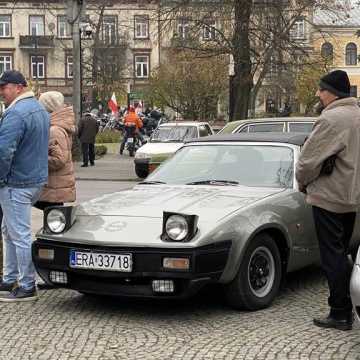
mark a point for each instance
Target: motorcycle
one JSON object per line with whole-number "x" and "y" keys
{"x": 133, "y": 141}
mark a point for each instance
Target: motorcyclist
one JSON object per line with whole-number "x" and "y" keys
{"x": 131, "y": 119}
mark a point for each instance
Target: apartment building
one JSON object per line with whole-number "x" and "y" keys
{"x": 335, "y": 38}
{"x": 36, "y": 38}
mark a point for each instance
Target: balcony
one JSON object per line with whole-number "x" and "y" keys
{"x": 36, "y": 42}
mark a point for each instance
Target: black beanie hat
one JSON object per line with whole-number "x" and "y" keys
{"x": 337, "y": 82}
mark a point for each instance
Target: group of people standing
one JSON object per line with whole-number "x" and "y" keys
{"x": 36, "y": 169}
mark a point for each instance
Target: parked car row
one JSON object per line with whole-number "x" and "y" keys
{"x": 169, "y": 137}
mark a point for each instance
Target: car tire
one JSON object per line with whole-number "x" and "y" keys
{"x": 258, "y": 279}
{"x": 141, "y": 172}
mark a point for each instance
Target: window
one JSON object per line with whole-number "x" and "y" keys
{"x": 209, "y": 30}
{"x": 183, "y": 28}
{"x": 305, "y": 127}
{"x": 298, "y": 29}
{"x": 37, "y": 67}
{"x": 327, "y": 52}
{"x": 141, "y": 27}
{"x": 351, "y": 54}
{"x": 64, "y": 30}
{"x": 5, "y": 25}
{"x": 69, "y": 67}
{"x": 353, "y": 91}
{"x": 37, "y": 25}
{"x": 5, "y": 62}
{"x": 142, "y": 66}
{"x": 243, "y": 129}
{"x": 278, "y": 127}
{"x": 109, "y": 30}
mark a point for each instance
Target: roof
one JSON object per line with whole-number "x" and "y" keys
{"x": 279, "y": 137}
{"x": 184, "y": 123}
{"x": 341, "y": 18}
{"x": 274, "y": 119}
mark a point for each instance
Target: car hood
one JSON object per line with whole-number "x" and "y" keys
{"x": 134, "y": 217}
{"x": 160, "y": 148}
{"x": 150, "y": 201}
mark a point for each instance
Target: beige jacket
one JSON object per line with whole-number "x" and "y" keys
{"x": 61, "y": 181}
{"x": 336, "y": 131}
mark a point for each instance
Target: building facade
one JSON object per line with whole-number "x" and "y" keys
{"x": 36, "y": 38}
{"x": 336, "y": 38}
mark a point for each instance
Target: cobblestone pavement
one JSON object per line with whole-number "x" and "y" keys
{"x": 66, "y": 325}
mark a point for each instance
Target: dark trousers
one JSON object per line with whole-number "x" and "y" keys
{"x": 334, "y": 232}
{"x": 123, "y": 142}
{"x": 88, "y": 151}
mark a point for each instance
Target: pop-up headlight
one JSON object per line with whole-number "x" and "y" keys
{"x": 178, "y": 227}
{"x": 58, "y": 219}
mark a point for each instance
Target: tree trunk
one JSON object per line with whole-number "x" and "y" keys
{"x": 242, "y": 82}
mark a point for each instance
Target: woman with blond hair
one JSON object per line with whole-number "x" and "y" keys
{"x": 61, "y": 182}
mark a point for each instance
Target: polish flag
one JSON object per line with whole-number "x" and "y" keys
{"x": 112, "y": 104}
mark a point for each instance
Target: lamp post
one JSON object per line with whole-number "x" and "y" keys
{"x": 85, "y": 31}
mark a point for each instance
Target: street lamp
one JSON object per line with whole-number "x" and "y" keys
{"x": 85, "y": 30}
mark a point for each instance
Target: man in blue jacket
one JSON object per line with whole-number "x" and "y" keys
{"x": 24, "y": 136}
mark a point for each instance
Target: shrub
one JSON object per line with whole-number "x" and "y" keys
{"x": 100, "y": 150}
{"x": 108, "y": 136}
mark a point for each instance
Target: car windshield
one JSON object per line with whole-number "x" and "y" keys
{"x": 229, "y": 165}
{"x": 174, "y": 133}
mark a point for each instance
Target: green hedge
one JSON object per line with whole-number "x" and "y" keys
{"x": 100, "y": 150}
{"x": 108, "y": 136}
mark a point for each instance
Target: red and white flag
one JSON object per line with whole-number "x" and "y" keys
{"x": 112, "y": 104}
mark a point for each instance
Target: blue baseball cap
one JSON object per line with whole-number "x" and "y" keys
{"x": 12, "y": 77}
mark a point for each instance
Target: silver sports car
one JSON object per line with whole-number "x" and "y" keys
{"x": 225, "y": 209}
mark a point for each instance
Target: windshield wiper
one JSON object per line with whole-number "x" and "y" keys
{"x": 151, "y": 182}
{"x": 213, "y": 182}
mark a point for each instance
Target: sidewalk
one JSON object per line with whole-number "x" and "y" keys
{"x": 110, "y": 167}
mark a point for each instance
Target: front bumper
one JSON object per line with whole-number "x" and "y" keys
{"x": 206, "y": 266}
{"x": 355, "y": 290}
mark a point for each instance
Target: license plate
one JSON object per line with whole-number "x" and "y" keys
{"x": 100, "y": 261}
{"x": 130, "y": 140}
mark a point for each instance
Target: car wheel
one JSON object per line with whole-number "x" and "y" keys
{"x": 259, "y": 276}
{"x": 141, "y": 172}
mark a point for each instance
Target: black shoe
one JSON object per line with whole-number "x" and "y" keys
{"x": 19, "y": 295}
{"x": 6, "y": 287}
{"x": 121, "y": 152}
{"x": 92, "y": 164}
{"x": 330, "y": 322}
{"x": 84, "y": 165}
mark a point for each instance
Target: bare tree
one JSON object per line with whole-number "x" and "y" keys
{"x": 188, "y": 85}
{"x": 255, "y": 34}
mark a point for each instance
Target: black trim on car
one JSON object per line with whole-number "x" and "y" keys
{"x": 207, "y": 263}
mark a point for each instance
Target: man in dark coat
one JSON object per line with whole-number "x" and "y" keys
{"x": 88, "y": 128}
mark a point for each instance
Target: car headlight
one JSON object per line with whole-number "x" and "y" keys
{"x": 57, "y": 219}
{"x": 139, "y": 155}
{"x": 178, "y": 227}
